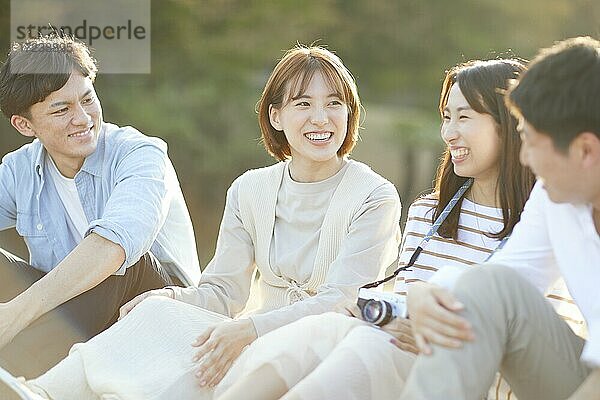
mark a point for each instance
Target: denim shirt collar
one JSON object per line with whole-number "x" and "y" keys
{"x": 92, "y": 164}
{"x": 40, "y": 157}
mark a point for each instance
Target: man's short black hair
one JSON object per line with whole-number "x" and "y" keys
{"x": 38, "y": 67}
{"x": 559, "y": 95}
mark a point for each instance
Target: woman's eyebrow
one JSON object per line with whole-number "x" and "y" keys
{"x": 461, "y": 108}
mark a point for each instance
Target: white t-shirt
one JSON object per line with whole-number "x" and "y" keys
{"x": 77, "y": 223}
{"x": 300, "y": 211}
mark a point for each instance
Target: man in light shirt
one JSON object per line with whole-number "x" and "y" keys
{"x": 468, "y": 324}
{"x": 99, "y": 207}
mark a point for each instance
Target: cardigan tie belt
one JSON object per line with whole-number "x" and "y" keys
{"x": 296, "y": 292}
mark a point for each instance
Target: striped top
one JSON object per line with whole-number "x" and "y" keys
{"x": 471, "y": 247}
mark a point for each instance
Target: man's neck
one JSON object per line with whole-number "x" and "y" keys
{"x": 69, "y": 168}
{"x": 596, "y": 217}
{"x": 596, "y": 213}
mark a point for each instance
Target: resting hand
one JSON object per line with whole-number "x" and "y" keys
{"x": 127, "y": 307}
{"x": 400, "y": 329}
{"x": 219, "y": 346}
{"x": 433, "y": 314}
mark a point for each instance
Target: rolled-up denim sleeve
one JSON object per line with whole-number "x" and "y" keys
{"x": 8, "y": 208}
{"x": 139, "y": 202}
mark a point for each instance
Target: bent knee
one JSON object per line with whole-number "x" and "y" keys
{"x": 319, "y": 320}
{"x": 483, "y": 275}
{"x": 487, "y": 281}
{"x": 154, "y": 304}
{"x": 368, "y": 334}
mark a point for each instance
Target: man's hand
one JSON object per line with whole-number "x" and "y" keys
{"x": 400, "y": 329}
{"x": 127, "y": 307}
{"x": 433, "y": 313}
{"x": 219, "y": 346}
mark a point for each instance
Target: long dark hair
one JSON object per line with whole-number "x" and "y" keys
{"x": 483, "y": 83}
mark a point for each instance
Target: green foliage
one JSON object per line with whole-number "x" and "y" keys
{"x": 211, "y": 58}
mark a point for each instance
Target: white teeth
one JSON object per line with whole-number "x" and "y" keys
{"x": 80, "y": 133}
{"x": 459, "y": 153}
{"x": 318, "y": 135}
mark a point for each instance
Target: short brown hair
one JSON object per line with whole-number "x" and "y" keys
{"x": 294, "y": 73}
{"x": 38, "y": 67}
{"x": 483, "y": 83}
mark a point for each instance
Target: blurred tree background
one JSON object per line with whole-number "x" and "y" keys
{"x": 211, "y": 58}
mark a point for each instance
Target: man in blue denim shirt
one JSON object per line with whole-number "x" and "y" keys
{"x": 99, "y": 207}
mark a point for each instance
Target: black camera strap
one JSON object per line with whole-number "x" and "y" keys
{"x": 434, "y": 228}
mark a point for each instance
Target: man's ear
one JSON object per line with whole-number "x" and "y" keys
{"x": 23, "y": 125}
{"x": 588, "y": 144}
{"x": 274, "y": 118}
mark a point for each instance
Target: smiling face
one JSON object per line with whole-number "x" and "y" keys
{"x": 315, "y": 124}
{"x": 472, "y": 138}
{"x": 67, "y": 123}
{"x": 570, "y": 176}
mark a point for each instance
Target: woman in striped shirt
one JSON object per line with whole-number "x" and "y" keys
{"x": 336, "y": 357}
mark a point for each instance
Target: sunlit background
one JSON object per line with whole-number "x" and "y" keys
{"x": 210, "y": 60}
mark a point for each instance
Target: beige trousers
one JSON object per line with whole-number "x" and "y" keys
{"x": 516, "y": 331}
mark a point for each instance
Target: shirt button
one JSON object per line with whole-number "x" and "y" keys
{"x": 40, "y": 227}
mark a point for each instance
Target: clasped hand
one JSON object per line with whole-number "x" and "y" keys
{"x": 434, "y": 317}
{"x": 219, "y": 346}
{"x": 399, "y": 328}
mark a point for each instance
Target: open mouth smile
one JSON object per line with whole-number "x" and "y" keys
{"x": 459, "y": 154}
{"x": 318, "y": 136}
{"x": 82, "y": 133}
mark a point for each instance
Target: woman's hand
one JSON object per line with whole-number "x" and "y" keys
{"x": 127, "y": 307}
{"x": 401, "y": 330}
{"x": 219, "y": 346}
{"x": 349, "y": 308}
{"x": 433, "y": 314}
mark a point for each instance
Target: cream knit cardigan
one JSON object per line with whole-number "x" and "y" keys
{"x": 258, "y": 198}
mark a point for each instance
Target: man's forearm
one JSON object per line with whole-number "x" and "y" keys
{"x": 90, "y": 263}
{"x": 590, "y": 388}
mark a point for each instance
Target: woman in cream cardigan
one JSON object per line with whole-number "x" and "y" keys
{"x": 316, "y": 226}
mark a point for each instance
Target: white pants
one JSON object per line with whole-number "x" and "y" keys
{"x": 147, "y": 355}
